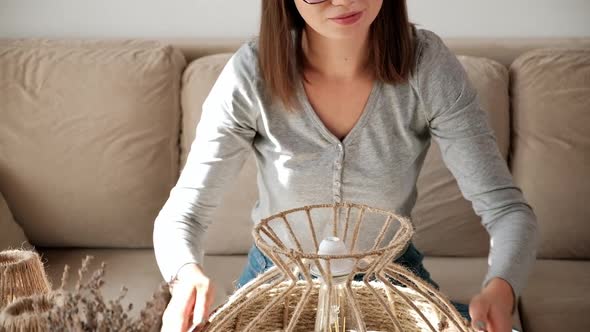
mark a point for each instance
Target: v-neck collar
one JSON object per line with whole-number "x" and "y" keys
{"x": 308, "y": 108}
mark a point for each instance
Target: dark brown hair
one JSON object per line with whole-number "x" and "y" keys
{"x": 391, "y": 46}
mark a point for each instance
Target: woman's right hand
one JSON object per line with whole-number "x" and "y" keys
{"x": 192, "y": 296}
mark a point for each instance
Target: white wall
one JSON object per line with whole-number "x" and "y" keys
{"x": 239, "y": 18}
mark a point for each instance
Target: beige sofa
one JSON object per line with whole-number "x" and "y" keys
{"x": 93, "y": 134}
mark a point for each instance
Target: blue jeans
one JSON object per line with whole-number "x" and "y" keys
{"x": 412, "y": 259}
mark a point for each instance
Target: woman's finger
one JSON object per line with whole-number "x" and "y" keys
{"x": 188, "y": 308}
{"x": 203, "y": 292}
{"x": 478, "y": 310}
{"x": 177, "y": 314}
{"x": 210, "y": 298}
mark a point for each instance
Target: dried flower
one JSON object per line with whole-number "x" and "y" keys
{"x": 85, "y": 308}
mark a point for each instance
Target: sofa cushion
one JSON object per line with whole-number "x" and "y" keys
{"x": 12, "y": 235}
{"x": 239, "y": 198}
{"x": 89, "y": 138}
{"x": 551, "y": 146}
{"x": 136, "y": 269}
{"x": 556, "y": 298}
{"x": 446, "y": 224}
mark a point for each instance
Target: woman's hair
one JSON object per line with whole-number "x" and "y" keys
{"x": 391, "y": 46}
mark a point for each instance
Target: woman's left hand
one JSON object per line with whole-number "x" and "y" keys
{"x": 492, "y": 307}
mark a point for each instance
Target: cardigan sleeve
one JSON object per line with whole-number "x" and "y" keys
{"x": 469, "y": 150}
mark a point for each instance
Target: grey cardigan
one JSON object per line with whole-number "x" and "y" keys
{"x": 301, "y": 163}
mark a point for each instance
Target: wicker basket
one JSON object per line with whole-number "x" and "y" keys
{"x": 21, "y": 274}
{"x": 285, "y": 297}
{"x": 29, "y": 313}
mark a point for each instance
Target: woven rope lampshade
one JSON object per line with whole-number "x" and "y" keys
{"x": 285, "y": 297}
{"x": 21, "y": 275}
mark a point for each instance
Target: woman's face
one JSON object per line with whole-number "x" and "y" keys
{"x": 340, "y": 19}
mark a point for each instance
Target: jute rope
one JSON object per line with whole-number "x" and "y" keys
{"x": 278, "y": 300}
{"x": 277, "y": 318}
{"x": 21, "y": 274}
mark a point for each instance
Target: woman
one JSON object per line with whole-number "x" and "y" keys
{"x": 339, "y": 100}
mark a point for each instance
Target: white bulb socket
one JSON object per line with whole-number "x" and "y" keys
{"x": 338, "y": 267}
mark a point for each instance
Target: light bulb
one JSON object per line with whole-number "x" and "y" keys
{"x": 335, "y": 312}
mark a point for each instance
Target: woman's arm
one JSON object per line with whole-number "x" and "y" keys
{"x": 222, "y": 143}
{"x": 470, "y": 151}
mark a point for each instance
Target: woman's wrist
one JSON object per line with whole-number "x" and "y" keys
{"x": 185, "y": 271}
{"x": 188, "y": 269}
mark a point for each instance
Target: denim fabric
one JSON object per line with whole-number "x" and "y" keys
{"x": 412, "y": 259}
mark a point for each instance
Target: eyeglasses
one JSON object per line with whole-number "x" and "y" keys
{"x": 314, "y": 2}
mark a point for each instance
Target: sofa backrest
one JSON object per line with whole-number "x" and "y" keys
{"x": 550, "y": 158}
{"x": 90, "y": 133}
{"x": 88, "y": 138}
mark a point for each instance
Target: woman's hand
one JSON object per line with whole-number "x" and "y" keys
{"x": 491, "y": 309}
{"x": 192, "y": 296}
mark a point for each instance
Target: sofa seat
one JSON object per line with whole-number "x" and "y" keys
{"x": 557, "y": 297}
{"x": 137, "y": 270}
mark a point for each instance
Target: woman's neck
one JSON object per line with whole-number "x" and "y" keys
{"x": 335, "y": 59}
